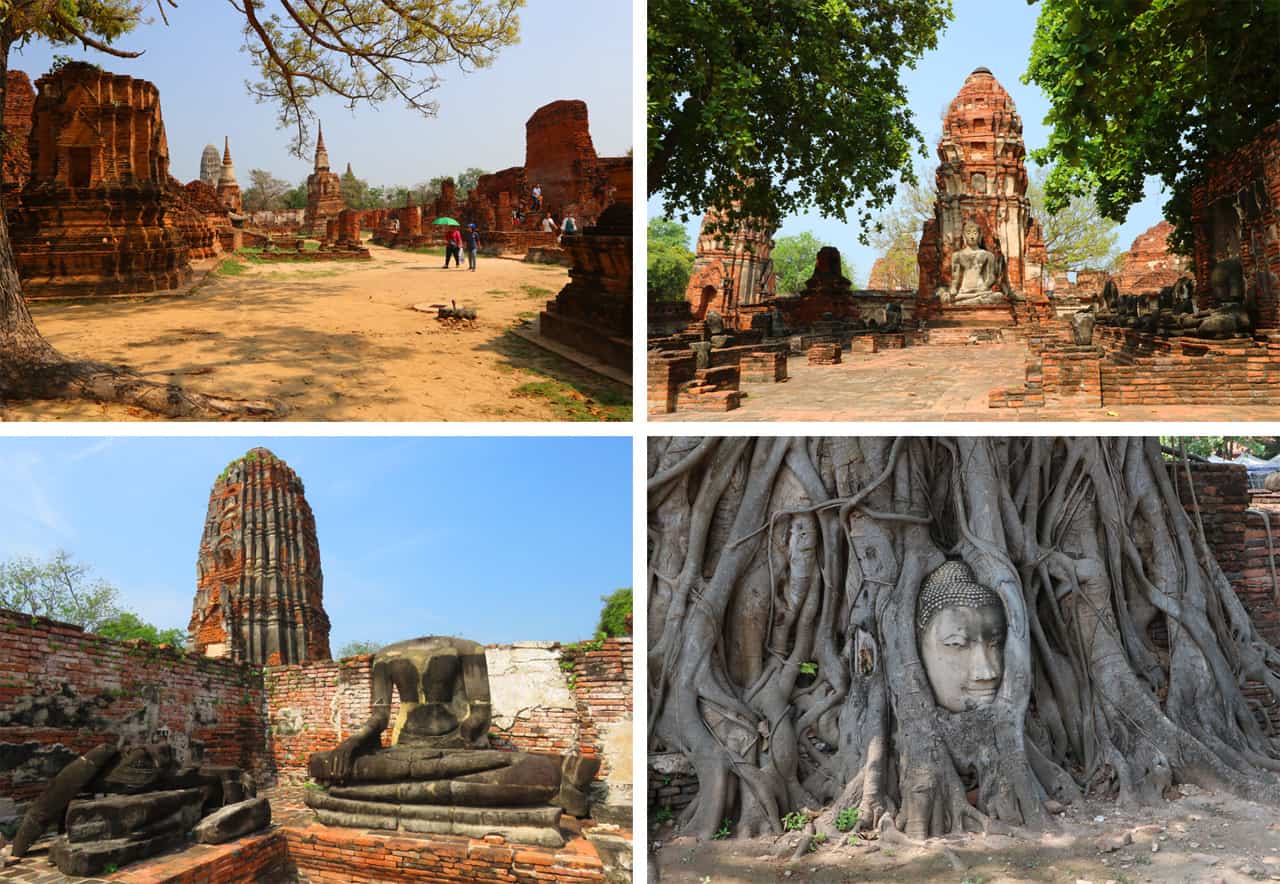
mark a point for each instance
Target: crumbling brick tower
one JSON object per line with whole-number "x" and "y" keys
{"x": 228, "y": 187}
{"x": 91, "y": 218}
{"x": 324, "y": 193}
{"x": 258, "y": 581}
{"x": 731, "y": 269}
{"x": 15, "y": 161}
{"x": 982, "y": 177}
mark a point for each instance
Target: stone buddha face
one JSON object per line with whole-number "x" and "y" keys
{"x": 961, "y": 627}
{"x": 971, "y": 236}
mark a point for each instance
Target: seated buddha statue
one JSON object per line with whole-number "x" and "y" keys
{"x": 440, "y": 761}
{"x": 973, "y": 270}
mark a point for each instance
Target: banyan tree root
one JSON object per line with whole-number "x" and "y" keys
{"x": 54, "y": 376}
{"x": 784, "y": 656}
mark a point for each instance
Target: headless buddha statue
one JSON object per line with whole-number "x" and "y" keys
{"x": 440, "y": 751}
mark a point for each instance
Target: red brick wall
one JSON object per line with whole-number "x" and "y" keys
{"x": 313, "y": 706}
{"x": 61, "y": 686}
{"x": 1243, "y": 189}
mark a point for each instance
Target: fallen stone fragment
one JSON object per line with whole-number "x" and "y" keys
{"x": 1205, "y": 858}
{"x": 233, "y": 821}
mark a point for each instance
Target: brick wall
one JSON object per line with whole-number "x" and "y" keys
{"x": 64, "y": 691}
{"x": 538, "y": 705}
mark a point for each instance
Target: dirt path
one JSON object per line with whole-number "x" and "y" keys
{"x": 341, "y": 342}
{"x": 1203, "y": 837}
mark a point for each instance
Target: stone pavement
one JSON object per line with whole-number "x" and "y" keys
{"x": 938, "y": 383}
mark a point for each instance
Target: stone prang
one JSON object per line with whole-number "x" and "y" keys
{"x": 259, "y": 586}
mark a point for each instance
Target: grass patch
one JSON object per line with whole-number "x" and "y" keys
{"x": 230, "y": 267}
{"x": 571, "y": 404}
{"x": 534, "y": 291}
{"x": 574, "y": 393}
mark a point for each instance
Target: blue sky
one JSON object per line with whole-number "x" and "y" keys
{"x": 568, "y": 49}
{"x": 983, "y": 33}
{"x": 495, "y": 539}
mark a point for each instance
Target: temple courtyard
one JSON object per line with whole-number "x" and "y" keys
{"x": 926, "y": 383}
{"x": 340, "y": 341}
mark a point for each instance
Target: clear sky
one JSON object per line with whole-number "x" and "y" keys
{"x": 983, "y": 33}
{"x": 568, "y": 49}
{"x": 494, "y": 539}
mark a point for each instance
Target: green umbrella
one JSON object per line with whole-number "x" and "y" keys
{"x": 446, "y": 221}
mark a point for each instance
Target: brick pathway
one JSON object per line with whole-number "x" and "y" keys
{"x": 927, "y": 384}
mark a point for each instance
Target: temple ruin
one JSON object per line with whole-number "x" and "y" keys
{"x": 259, "y": 587}
{"x": 324, "y": 192}
{"x": 90, "y": 220}
{"x": 15, "y": 161}
{"x": 731, "y": 267}
{"x": 210, "y": 165}
{"x": 228, "y": 187}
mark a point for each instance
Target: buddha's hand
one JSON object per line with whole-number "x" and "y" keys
{"x": 342, "y": 758}
{"x": 476, "y": 724}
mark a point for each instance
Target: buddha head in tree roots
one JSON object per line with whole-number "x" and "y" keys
{"x": 961, "y": 628}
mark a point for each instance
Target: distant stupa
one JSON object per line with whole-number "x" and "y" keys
{"x": 258, "y": 582}
{"x": 210, "y": 165}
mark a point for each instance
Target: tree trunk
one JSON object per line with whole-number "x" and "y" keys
{"x": 784, "y": 659}
{"x": 30, "y": 367}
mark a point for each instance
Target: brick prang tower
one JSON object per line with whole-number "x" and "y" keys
{"x": 259, "y": 586}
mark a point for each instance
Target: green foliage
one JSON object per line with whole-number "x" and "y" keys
{"x": 725, "y": 830}
{"x": 818, "y": 839}
{"x": 852, "y": 840}
{"x": 617, "y": 608}
{"x": 59, "y": 588}
{"x": 669, "y": 260}
{"x": 1154, "y": 88}
{"x": 669, "y": 268}
{"x": 794, "y": 260}
{"x": 765, "y": 107}
{"x": 663, "y": 815}
{"x": 794, "y": 821}
{"x": 358, "y": 646}
{"x": 1225, "y": 446}
{"x": 847, "y": 819}
{"x": 809, "y": 667}
{"x": 297, "y": 197}
{"x": 355, "y": 191}
{"x": 127, "y": 625}
{"x": 230, "y": 267}
{"x": 668, "y": 233}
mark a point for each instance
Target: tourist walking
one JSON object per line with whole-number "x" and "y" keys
{"x": 472, "y": 240}
{"x": 569, "y": 226}
{"x": 453, "y": 248}
{"x": 537, "y": 197}
{"x": 549, "y": 224}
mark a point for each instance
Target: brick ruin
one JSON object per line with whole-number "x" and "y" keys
{"x": 91, "y": 218}
{"x": 592, "y": 314}
{"x": 1149, "y": 266}
{"x": 259, "y": 585}
{"x": 731, "y": 268}
{"x": 1141, "y": 357}
{"x": 15, "y": 161}
{"x": 64, "y": 691}
{"x": 559, "y": 155}
{"x": 982, "y": 179}
{"x": 324, "y": 192}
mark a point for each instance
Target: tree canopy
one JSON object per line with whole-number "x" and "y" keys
{"x": 265, "y": 192}
{"x": 613, "y": 618}
{"x": 794, "y": 259}
{"x": 59, "y": 588}
{"x": 128, "y": 625}
{"x": 669, "y": 260}
{"x": 764, "y": 107}
{"x": 1158, "y": 93}
{"x": 358, "y": 646}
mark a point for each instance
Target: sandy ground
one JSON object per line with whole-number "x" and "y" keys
{"x": 339, "y": 342}
{"x": 1201, "y": 837}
